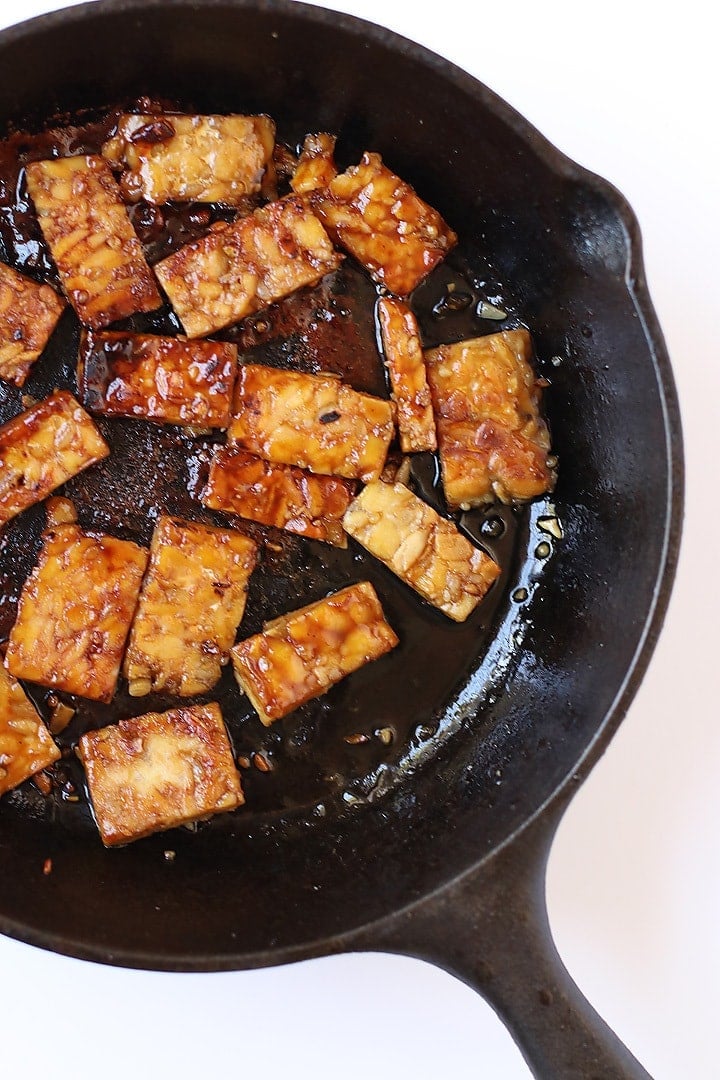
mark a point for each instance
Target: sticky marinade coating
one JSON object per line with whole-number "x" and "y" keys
{"x": 301, "y": 655}
{"x": 190, "y": 606}
{"x": 281, "y": 495}
{"x": 155, "y": 772}
{"x": 75, "y": 612}
{"x": 494, "y": 444}
{"x": 383, "y": 223}
{"x": 406, "y": 367}
{"x": 425, "y": 550}
{"x": 209, "y": 158}
{"x": 28, "y": 315}
{"x": 311, "y": 421}
{"x": 242, "y": 267}
{"x": 42, "y": 448}
{"x": 98, "y": 256}
{"x": 316, "y": 164}
{"x": 163, "y": 379}
{"x": 26, "y": 745}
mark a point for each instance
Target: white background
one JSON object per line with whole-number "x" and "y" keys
{"x": 630, "y": 90}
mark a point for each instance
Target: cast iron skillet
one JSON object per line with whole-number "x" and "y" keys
{"x": 436, "y": 845}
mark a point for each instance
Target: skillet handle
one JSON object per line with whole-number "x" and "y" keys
{"x": 490, "y": 928}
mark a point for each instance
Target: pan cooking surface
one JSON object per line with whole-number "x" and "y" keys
{"x": 359, "y": 741}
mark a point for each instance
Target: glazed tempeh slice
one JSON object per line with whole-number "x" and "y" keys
{"x": 239, "y": 268}
{"x": 494, "y": 444}
{"x": 191, "y": 158}
{"x": 28, "y": 315}
{"x": 163, "y": 379}
{"x": 316, "y": 165}
{"x": 75, "y": 612}
{"x": 425, "y": 550}
{"x": 381, "y": 221}
{"x": 301, "y": 655}
{"x": 42, "y": 448}
{"x": 191, "y": 603}
{"x": 406, "y": 367}
{"x": 26, "y": 745}
{"x": 155, "y": 772}
{"x": 311, "y": 421}
{"x": 99, "y": 258}
{"x": 279, "y": 495}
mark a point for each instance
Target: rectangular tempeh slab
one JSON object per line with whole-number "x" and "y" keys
{"x": 301, "y": 655}
{"x": 99, "y": 258}
{"x": 26, "y": 745}
{"x": 190, "y": 606}
{"x": 28, "y": 315}
{"x": 239, "y": 268}
{"x": 406, "y": 367}
{"x": 208, "y": 158}
{"x": 155, "y": 772}
{"x": 281, "y": 495}
{"x": 42, "y": 448}
{"x": 425, "y": 550}
{"x": 494, "y": 443}
{"x": 163, "y": 379}
{"x": 384, "y": 224}
{"x": 311, "y": 421}
{"x": 75, "y": 612}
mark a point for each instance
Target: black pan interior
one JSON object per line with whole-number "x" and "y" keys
{"x": 487, "y": 718}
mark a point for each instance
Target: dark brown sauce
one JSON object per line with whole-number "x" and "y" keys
{"x": 359, "y": 740}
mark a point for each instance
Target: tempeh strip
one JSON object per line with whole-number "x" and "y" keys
{"x": 425, "y": 550}
{"x": 42, "y": 448}
{"x": 494, "y": 444}
{"x": 28, "y": 315}
{"x": 316, "y": 165}
{"x": 26, "y": 745}
{"x": 279, "y": 495}
{"x": 242, "y": 267}
{"x": 190, "y": 606}
{"x": 163, "y": 379}
{"x": 384, "y": 224}
{"x": 154, "y": 772}
{"x": 406, "y": 367}
{"x": 311, "y": 421}
{"x": 84, "y": 221}
{"x": 75, "y": 612}
{"x": 211, "y": 158}
{"x": 301, "y": 655}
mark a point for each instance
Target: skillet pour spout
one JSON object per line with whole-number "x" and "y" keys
{"x": 423, "y": 851}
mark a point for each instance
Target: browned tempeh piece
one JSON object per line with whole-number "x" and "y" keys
{"x": 425, "y": 550}
{"x": 311, "y": 421}
{"x": 26, "y": 745}
{"x": 99, "y": 258}
{"x": 380, "y": 220}
{"x": 154, "y": 772}
{"x": 281, "y": 495}
{"x": 316, "y": 165}
{"x": 239, "y": 268}
{"x": 406, "y": 367}
{"x": 191, "y": 603}
{"x": 301, "y": 655}
{"x": 494, "y": 443}
{"x": 164, "y": 379}
{"x": 209, "y": 158}
{"x": 42, "y": 448}
{"x": 75, "y": 612}
{"x": 28, "y": 315}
